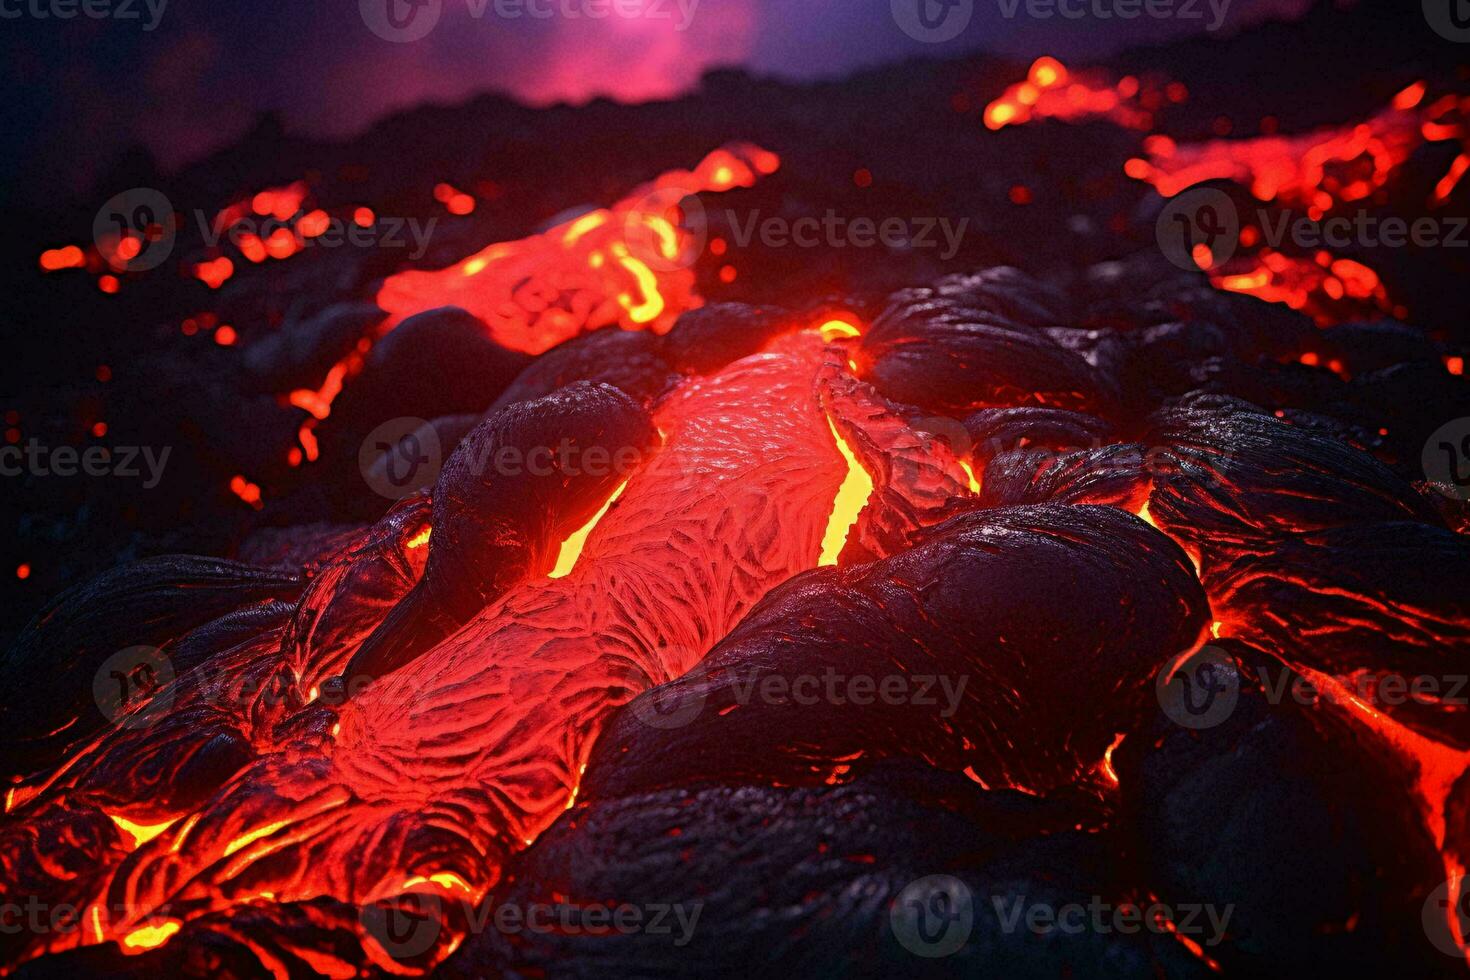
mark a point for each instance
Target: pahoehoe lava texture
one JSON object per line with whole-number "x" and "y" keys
{"x": 814, "y": 881}
{"x": 494, "y": 524}
{"x": 1287, "y": 812}
{"x": 411, "y": 718}
{"x": 971, "y": 650}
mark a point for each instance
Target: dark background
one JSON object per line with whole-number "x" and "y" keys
{"x": 78, "y": 91}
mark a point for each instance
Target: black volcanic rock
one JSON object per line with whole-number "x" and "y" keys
{"x": 854, "y": 880}
{"x": 971, "y": 650}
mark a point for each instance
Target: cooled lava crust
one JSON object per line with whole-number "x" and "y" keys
{"x": 894, "y": 607}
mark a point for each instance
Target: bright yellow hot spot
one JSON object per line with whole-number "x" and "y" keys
{"x": 420, "y": 539}
{"x": 833, "y": 329}
{"x": 970, "y": 475}
{"x": 668, "y": 238}
{"x": 571, "y": 548}
{"x": 653, "y": 303}
{"x": 852, "y": 496}
{"x": 444, "y": 879}
{"x": 583, "y": 225}
{"x": 142, "y": 833}
{"x": 147, "y": 937}
{"x": 245, "y": 840}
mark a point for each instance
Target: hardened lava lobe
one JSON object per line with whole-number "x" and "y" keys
{"x": 871, "y": 627}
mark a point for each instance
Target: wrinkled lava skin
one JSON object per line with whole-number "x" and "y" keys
{"x": 1031, "y": 605}
{"x": 414, "y": 720}
{"x": 459, "y": 776}
{"x": 805, "y": 879}
{"x": 482, "y": 542}
{"x": 1298, "y": 819}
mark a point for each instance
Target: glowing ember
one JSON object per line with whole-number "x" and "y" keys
{"x": 1051, "y": 92}
{"x": 68, "y": 257}
{"x": 214, "y": 272}
{"x": 1317, "y": 170}
{"x": 1325, "y": 288}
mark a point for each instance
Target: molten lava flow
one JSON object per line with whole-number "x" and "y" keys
{"x": 1327, "y": 289}
{"x": 1317, "y": 170}
{"x": 1434, "y": 766}
{"x": 1051, "y": 92}
{"x": 625, "y": 265}
{"x": 141, "y": 833}
{"x": 147, "y": 937}
{"x": 432, "y": 776}
{"x": 571, "y": 548}
{"x": 852, "y": 496}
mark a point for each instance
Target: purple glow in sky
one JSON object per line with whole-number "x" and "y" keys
{"x": 202, "y": 73}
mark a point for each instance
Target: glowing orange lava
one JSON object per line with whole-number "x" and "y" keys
{"x": 626, "y": 265}
{"x": 1050, "y": 91}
